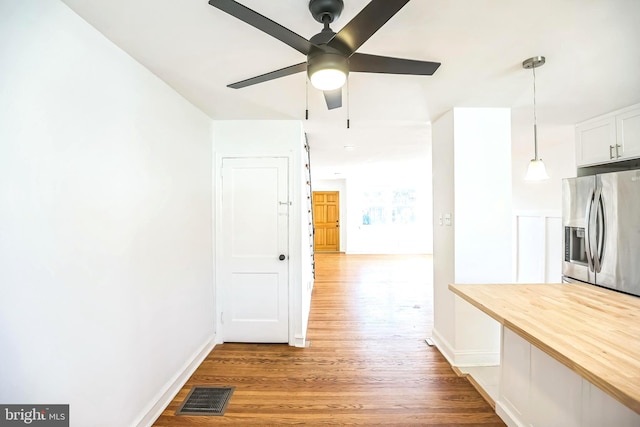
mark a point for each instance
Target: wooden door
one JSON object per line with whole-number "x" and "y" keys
{"x": 253, "y": 257}
{"x": 326, "y": 220}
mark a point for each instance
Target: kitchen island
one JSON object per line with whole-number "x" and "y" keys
{"x": 547, "y": 328}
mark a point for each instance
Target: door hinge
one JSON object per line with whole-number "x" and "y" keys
{"x": 222, "y": 318}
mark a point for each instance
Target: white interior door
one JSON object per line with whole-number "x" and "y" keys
{"x": 255, "y": 208}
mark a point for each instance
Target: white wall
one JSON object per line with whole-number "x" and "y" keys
{"x": 410, "y": 238}
{"x": 443, "y": 237}
{"x": 556, "y": 146}
{"x": 106, "y": 273}
{"x": 482, "y": 153}
{"x": 471, "y": 183}
{"x": 356, "y": 238}
{"x": 537, "y": 206}
{"x": 276, "y": 138}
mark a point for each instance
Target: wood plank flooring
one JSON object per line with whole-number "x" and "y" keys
{"x": 367, "y": 363}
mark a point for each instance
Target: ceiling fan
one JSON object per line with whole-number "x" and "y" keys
{"x": 331, "y": 56}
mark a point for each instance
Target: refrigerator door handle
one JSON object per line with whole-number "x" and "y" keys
{"x": 587, "y": 231}
{"x": 600, "y": 231}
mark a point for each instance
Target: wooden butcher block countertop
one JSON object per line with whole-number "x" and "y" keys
{"x": 593, "y": 331}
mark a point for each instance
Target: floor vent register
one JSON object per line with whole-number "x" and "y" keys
{"x": 208, "y": 401}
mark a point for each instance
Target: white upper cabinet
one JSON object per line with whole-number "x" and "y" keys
{"x": 595, "y": 141}
{"x": 628, "y": 133}
{"x": 610, "y": 138}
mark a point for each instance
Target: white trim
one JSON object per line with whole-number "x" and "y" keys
{"x": 443, "y": 346}
{"x": 298, "y": 341}
{"x": 476, "y": 358}
{"x": 514, "y": 247}
{"x": 550, "y": 213}
{"x": 217, "y": 176}
{"x": 217, "y": 308}
{"x": 173, "y": 386}
{"x": 542, "y": 218}
{"x": 464, "y": 358}
{"x": 293, "y": 255}
{"x": 609, "y": 114}
{"x": 507, "y": 415}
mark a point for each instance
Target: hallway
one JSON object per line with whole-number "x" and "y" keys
{"x": 366, "y": 362}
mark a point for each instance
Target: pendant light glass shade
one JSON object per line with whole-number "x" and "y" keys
{"x": 536, "y": 170}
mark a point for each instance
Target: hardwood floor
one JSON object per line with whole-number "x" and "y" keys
{"x": 367, "y": 363}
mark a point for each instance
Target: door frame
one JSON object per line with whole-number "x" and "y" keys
{"x": 217, "y": 243}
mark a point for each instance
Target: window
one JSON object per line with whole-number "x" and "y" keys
{"x": 389, "y": 206}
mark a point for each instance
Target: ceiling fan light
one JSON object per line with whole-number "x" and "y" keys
{"x": 328, "y": 79}
{"x": 327, "y": 70}
{"x": 536, "y": 171}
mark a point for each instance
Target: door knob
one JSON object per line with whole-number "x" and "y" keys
{"x": 282, "y": 257}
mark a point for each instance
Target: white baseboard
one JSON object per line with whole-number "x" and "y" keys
{"x": 298, "y": 341}
{"x": 464, "y": 358}
{"x": 476, "y": 358}
{"x": 507, "y": 416}
{"x": 173, "y": 386}
{"x": 443, "y": 346}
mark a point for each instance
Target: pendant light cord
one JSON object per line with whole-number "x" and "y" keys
{"x": 535, "y": 121}
{"x": 536, "y": 170}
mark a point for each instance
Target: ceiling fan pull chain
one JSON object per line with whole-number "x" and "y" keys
{"x": 306, "y": 99}
{"x": 348, "y": 103}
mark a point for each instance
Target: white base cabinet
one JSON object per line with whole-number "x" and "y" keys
{"x": 538, "y": 391}
{"x": 609, "y": 138}
{"x": 515, "y": 376}
{"x": 555, "y": 394}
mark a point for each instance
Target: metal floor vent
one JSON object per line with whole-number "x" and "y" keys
{"x": 206, "y": 401}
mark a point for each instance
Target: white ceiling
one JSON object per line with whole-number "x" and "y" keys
{"x": 592, "y": 49}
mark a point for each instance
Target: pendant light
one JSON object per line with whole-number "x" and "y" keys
{"x": 536, "y": 170}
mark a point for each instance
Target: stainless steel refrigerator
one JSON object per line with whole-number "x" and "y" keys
{"x": 601, "y": 219}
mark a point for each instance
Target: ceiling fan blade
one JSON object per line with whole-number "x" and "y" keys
{"x": 264, "y": 24}
{"x": 333, "y": 98}
{"x": 270, "y": 76}
{"x": 384, "y": 64}
{"x": 365, "y": 24}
